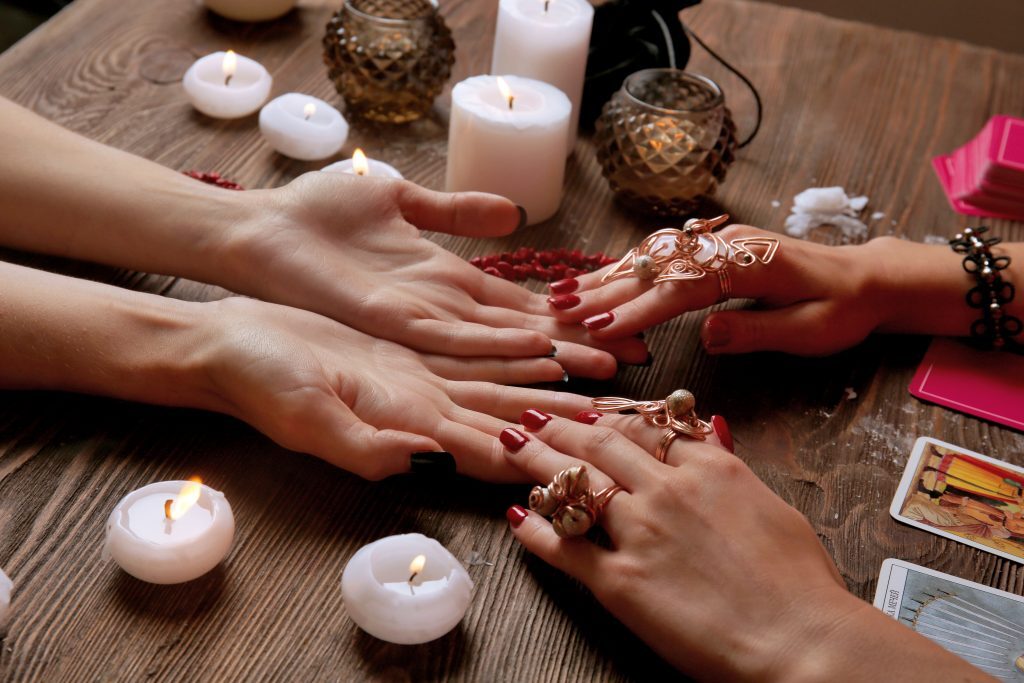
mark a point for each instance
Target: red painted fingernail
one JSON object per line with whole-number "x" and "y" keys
{"x": 596, "y": 322}
{"x": 512, "y": 439}
{"x": 564, "y": 301}
{"x": 566, "y": 286}
{"x": 587, "y": 417}
{"x": 714, "y": 333}
{"x": 516, "y": 515}
{"x": 722, "y": 430}
{"x": 534, "y": 419}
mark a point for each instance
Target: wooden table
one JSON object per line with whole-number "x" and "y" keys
{"x": 846, "y": 104}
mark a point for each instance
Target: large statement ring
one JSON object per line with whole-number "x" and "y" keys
{"x": 675, "y": 415}
{"x": 692, "y": 253}
{"x": 570, "y": 502}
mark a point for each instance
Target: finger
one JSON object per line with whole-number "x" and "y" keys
{"x": 541, "y": 462}
{"x": 497, "y": 370}
{"x": 803, "y": 329}
{"x": 508, "y": 403}
{"x": 648, "y": 436}
{"x": 474, "y": 214}
{"x": 477, "y": 454}
{"x": 578, "y": 558}
{"x": 597, "y": 300}
{"x": 499, "y": 292}
{"x": 652, "y": 307}
{"x": 473, "y": 339}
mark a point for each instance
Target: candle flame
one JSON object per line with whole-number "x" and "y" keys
{"x": 506, "y": 91}
{"x": 229, "y": 65}
{"x": 362, "y": 167}
{"x": 416, "y": 566}
{"x": 184, "y": 501}
{"x": 309, "y": 110}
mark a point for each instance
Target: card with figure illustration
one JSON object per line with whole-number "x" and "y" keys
{"x": 983, "y": 625}
{"x": 971, "y": 498}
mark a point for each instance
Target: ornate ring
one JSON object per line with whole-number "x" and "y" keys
{"x": 692, "y": 253}
{"x": 676, "y": 415}
{"x": 570, "y": 502}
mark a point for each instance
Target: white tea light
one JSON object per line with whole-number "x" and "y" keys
{"x": 360, "y": 164}
{"x": 406, "y": 589}
{"x": 226, "y": 85}
{"x": 547, "y": 40}
{"x": 6, "y": 586}
{"x": 303, "y": 127}
{"x": 250, "y": 10}
{"x": 170, "y": 531}
{"x": 510, "y": 143}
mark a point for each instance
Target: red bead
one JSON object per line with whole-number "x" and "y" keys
{"x": 505, "y": 268}
{"x": 476, "y": 261}
{"x": 491, "y": 270}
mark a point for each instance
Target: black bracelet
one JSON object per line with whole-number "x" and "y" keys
{"x": 995, "y": 329}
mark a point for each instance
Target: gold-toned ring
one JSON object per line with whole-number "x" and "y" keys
{"x": 570, "y": 502}
{"x": 725, "y": 284}
{"x": 675, "y": 414}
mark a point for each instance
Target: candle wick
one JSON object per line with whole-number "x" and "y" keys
{"x": 546, "y": 3}
{"x": 414, "y": 575}
{"x": 307, "y": 116}
{"x": 167, "y": 507}
{"x": 227, "y": 80}
{"x": 511, "y": 99}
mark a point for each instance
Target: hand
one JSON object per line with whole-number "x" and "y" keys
{"x": 812, "y": 299}
{"x": 350, "y": 248}
{"x": 316, "y": 386}
{"x": 709, "y": 567}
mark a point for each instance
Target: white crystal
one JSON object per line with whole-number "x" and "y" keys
{"x": 817, "y": 206}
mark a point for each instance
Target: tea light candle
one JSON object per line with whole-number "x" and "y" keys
{"x": 405, "y": 589}
{"x": 303, "y": 127}
{"x": 547, "y": 40}
{"x": 6, "y": 586}
{"x": 508, "y": 136}
{"x": 359, "y": 164}
{"x": 226, "y": 85}
{"x": 250, "y": 10}
{"x": 170, "y": 531}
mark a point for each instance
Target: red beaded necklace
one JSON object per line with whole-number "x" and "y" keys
{"x": 547, "y": 265}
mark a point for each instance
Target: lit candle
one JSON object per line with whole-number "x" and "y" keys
{"x": 250, "y": 10}
{"x": 6, "y": 586}
{"x": 226, "y": 85}
{"x": 170, "y": 531}
{"x": 405, "y": 589}
{"x": 510, "y": 143}
{"x": 303, "y": 127}
{"x": 547, "y": 40}
{"x": 359, "y": 164}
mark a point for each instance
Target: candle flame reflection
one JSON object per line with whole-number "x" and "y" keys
{"x": 184, "y": 501}
{"x": 506, "y": 91}
{"x": 362, "y": 167}
{"x": 309, "y": 110}
{"x": 229, "y": 65}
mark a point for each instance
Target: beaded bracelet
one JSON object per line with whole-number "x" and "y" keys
{"x": 995, "y": 329}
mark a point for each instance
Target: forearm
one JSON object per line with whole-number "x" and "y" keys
{"x": 65, "y": 195}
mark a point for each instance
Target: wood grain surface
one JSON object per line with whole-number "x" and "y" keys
{"x": 845, "y": 104}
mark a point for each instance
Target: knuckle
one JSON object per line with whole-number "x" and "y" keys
{"x": 601, "y": 438}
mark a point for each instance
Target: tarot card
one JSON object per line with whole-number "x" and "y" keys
{"x": 966, "y": 496}
{"x": 983, "y": 625}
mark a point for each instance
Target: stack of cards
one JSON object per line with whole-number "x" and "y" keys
{"x": 985, "y": 177}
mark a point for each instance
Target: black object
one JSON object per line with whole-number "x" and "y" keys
{"x": 994, "y": 329}
{"x": 432, "y": 464}
{"x": 630, "y": 35}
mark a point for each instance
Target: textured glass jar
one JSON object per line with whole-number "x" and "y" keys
{"x": 665, "y": 140}
{"x": 389, "y": 59}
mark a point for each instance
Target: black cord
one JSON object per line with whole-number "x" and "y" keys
{"x": 730, "y": 67}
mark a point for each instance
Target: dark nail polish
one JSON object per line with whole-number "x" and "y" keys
{"x": 715, "y": 333}
{"x": 512, "y": 439}
{"x": 587, "y": 417}
{"x": 722, "y": 430}
{"x": 534, "y": 419}
{"x": 516, "y": 515}
{"x": 640, "y": 335}
{"x": 432, "y": 463}
{"x": 522, "y": 218}
{"x": 564, "y": 301}
{"x": 554, "y": 351}
{"x": 599, "y": 321}
{"x": 566, "y": 286}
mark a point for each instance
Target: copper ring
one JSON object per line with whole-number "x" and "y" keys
{"x": 725, "y": 284}
{"x": 570, "y": 502}
{"x": 675, "y": 414}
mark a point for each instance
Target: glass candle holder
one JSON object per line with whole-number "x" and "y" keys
{"x": 389, "y": 59}
{"x": 665, "y": 140}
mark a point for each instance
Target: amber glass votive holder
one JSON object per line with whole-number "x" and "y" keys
{"x": 389, "y": 59}
{"x": 665, "y": 140}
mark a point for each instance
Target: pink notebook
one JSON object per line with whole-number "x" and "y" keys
{"x": 987, "y": 384}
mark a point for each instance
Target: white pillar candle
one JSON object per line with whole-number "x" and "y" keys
{"x": 250, "y": 10}
{"x": 226, "y": 85}
{"x": 170, "y": 531}
{"x": 405, "y": 589}
{"x": 548, "y": 41}
{"x": 303, "y": 127}
{"x": 516, "y": 151}
{"x": 6, "y": 586}
{"x": 360, "y": 164}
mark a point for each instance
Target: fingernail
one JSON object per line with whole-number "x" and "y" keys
{"x": 516, "y": 515}
{"x": 432, "y": 463}
{"x": 722, "y": 430}
{"x": 714, "y": 333}
{"x": 522, "y": 217}
{"x": 564, "y": 301}
{"x": 587, "y": 417}
{"x": 512, "y": 439}
{"x": 566, "y": 286}
{"x": 534, "y": 419}
{"x": 554, "y": 351}
{"x": 601, "y": 320}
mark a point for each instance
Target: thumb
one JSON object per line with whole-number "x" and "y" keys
{"x": 802, "y": 329}
{"x": 472, "y": 214}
